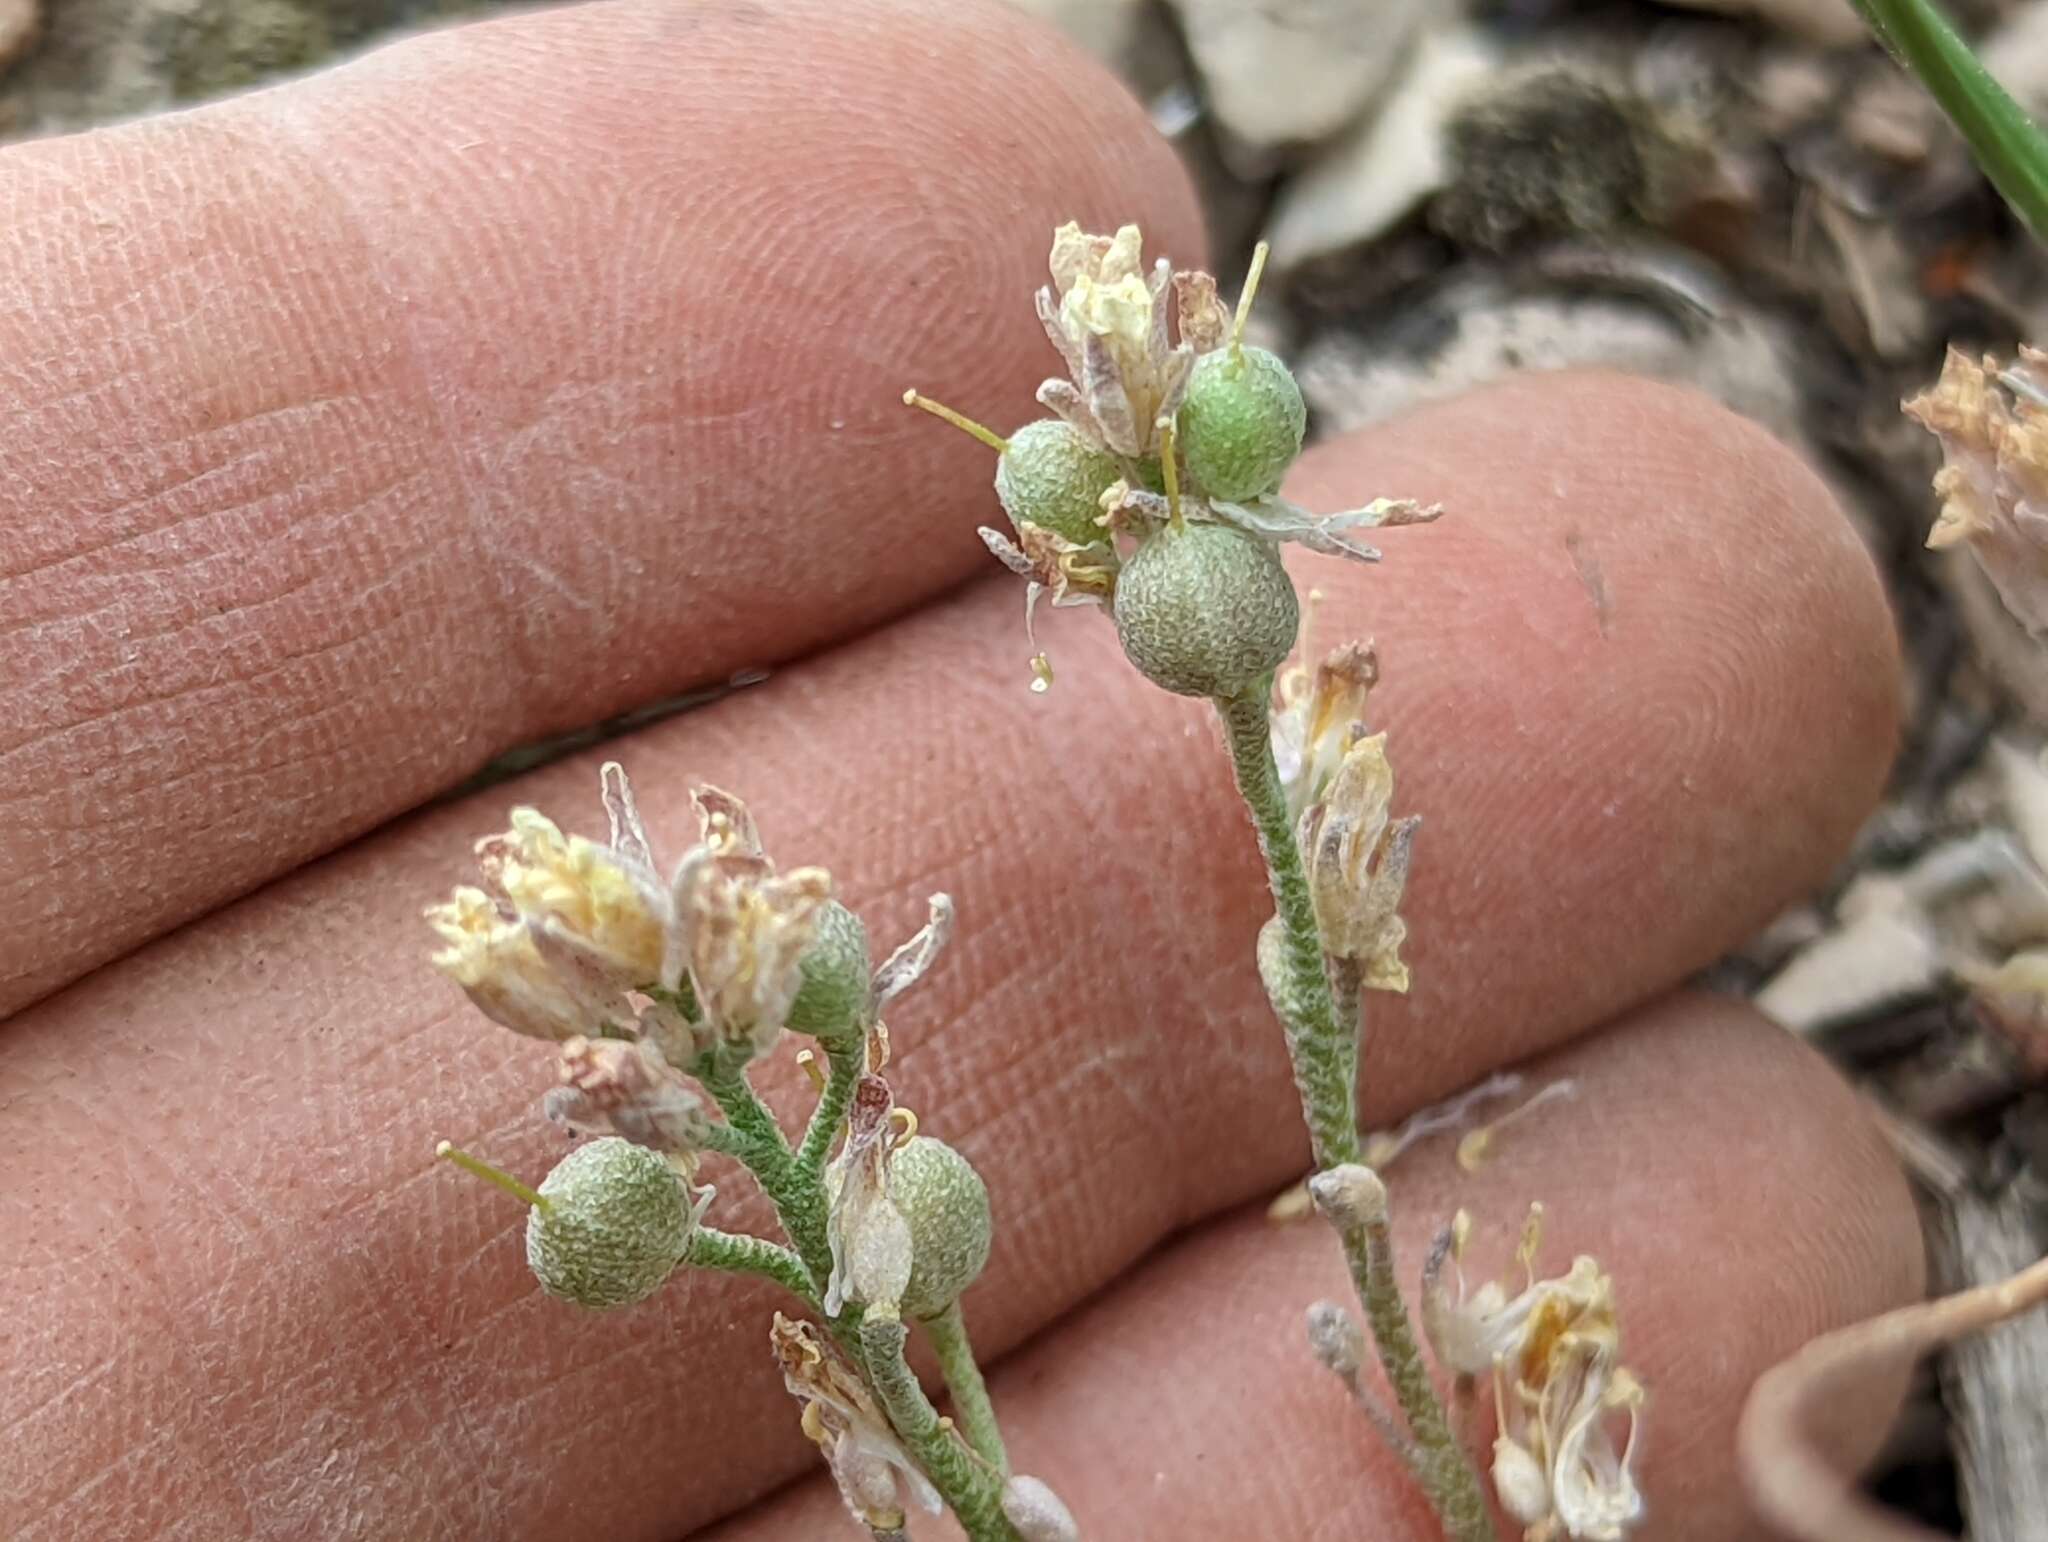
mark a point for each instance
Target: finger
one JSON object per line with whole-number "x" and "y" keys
{"x": 1096, "y": 1022}
{"x": 507, "y": 379}
{"x": 1718, "y": 1170}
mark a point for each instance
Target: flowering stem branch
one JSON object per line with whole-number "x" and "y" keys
{"x": 737, "y": 1253}
{"x": 845, "y": 1064}
{"x": 1323, "y": 1046}
{"x": 1438, "y": 1460}
{"x": 751, "y": 1135}
{"x": 972, "y": 1489}
{"x": 971, "y": 1405}
{"x": 1324, "y": 1057}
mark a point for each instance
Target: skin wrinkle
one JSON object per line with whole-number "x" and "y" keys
{"x": 574, "y": 450}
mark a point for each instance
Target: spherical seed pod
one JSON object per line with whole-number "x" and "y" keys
{"x": 1205, "y": 610}
{"x": 943, "y": 1198}
{"x": 832, "y": 1003}
{"x": 1050, "y": 477}
{"x": 1241, "y": 423}
{"x": 616, "y": 1223}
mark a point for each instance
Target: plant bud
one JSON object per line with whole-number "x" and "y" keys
{"x": 1037, "y": 1512}
{"x": 1241, "y": 424}
{"x": 942, "y": 1197}
{"x": 1048, "y": 476}
{"x": 615, "y": 1223}
{"x": 1205, "y": 610}
{"x": 832, "y": 1005}
{"x": 1349, "y": 1196}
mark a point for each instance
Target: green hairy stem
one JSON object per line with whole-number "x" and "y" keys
{"x": 1322, "y": 1044}
{"x": 972, "y": 1409}
{"x": 1323, "y": 1052}
{"x": 845, "y": 1063}
{"x": 736, "y": 1253}
{"x": 751, "y": 1135}
{"x": 971, "y": 1487}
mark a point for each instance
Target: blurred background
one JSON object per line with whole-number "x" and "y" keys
{"x": 1744, "y": 196}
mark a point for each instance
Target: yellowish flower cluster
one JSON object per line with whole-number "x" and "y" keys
{"x": 1553, "y": 1349}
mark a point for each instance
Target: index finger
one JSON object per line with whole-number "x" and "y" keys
{"x": 507, "y": 379}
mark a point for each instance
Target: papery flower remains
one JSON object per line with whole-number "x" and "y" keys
{"x": 842, "y": 1418}
{"x": 1993, "y": 483}
{"x": 1553, "y": 1349}
{"x": 1356, "y": 857}
{"x": 569, "y": 937}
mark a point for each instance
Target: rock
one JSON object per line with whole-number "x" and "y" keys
{"x": 1383, "y": 167}
{"x": 1292, "y": 71}
{"x": 1882, "y": 958}
{"x": 1652, "y": 312}
{"x": 1832, "y": 22}
{"x": 19, "y": 20}
{"x": 1573, "y": 147}
{"x": 108, "y": 59}
{"x": 1132, "y": 37}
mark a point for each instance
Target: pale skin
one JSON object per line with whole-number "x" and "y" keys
{"x": 525, "y": 374}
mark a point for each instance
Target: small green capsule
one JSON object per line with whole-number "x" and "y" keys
{"x": 1049, "y": 476}
{"x": 614, "y": 1223}
{"x": 832, "y": 1003}
{"x": 943, "y": 1198}
{"x": 1205, "y": 610}
{"x": 1241, "y": 423}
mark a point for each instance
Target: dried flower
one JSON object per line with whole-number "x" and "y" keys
{"x": 914, "y": 958}
{"x": 870, "y": 1239}
{"x": 628, "y": 1089}
{"x": 1553, "y": 1349}
{"x": 1314, "y": 715}
{"x": 1993, "y": 482}
{"x": 491, "y": 954}
{"x": 740, "y": 931}
{"x": 564, "y": 928}
{"x": 1356, "y": 859}
{"x": 842, "y": 1418}
{"x": 1108, "y": 321}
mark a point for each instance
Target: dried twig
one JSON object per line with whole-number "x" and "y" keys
{"x": 1792, "y": 1484}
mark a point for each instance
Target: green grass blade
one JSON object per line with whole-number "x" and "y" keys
{"x": 2012, "y": 151}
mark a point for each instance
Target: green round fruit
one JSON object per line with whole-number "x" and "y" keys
{"x": 1205, "y": 610}
{"x": 832, "y": 1003}
{"x": 1050, "y": 477}
{"x": 1241, "y": 423}
{"x": 943, "y": 1198}
{"x": 616, "y": 1224}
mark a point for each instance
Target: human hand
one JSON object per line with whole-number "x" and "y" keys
{"x": 522, "y": 375}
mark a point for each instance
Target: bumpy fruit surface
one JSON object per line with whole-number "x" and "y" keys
{"x": 616, "y": 1225}
{"x": 1206, "y": 610}
{"x": 1241, "y": 424}
{"x": 832, "y": 1003}
{"x": 1051, "y": 478}
{"x": 946, "y": 1204}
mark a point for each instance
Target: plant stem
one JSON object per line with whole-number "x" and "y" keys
{"x": 1323, "y": 1047}
{"x": 1323, "y": 1055}
{"x": 2008, "y": 146}
{"x": 845, "y": 1064}
{"x": 755, "y": 1139}
{"x": 972, "y": 1489}
{"x": 971, "y": 1405}
{"x": 737, "y": 1253}
{"x": 1439, "y": 1460}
